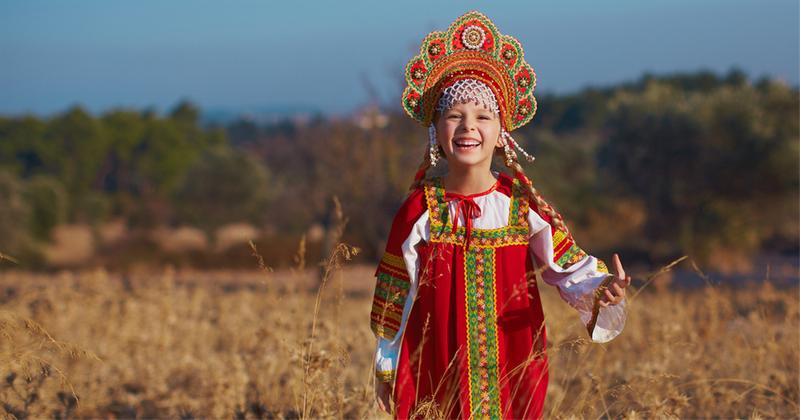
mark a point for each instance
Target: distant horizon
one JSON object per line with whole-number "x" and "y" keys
{"x": 278, "y": 112}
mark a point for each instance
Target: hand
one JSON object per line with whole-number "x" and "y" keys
{"x": 385, "y": 396}
{"x": 616, "y": 290}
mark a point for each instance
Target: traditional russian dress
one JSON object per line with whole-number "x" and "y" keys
{"x": 456, "y": 308}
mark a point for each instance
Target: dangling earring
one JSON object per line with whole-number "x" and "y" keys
{"x": 509, "y": 149}
{"x": 509, "y": 154}
{"x": 434, "y": 148}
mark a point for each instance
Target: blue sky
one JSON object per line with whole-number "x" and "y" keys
{"x": 317, "y": 55}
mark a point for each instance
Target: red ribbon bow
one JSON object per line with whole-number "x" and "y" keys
{"x": 471, "y": 211}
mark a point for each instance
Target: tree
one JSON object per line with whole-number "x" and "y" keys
{"x": 709, "y": 166}
{"x": 222, "y": 187}
{"x": 47, "y": 203}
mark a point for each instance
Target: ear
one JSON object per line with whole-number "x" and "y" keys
{"x": 500, "y": 140}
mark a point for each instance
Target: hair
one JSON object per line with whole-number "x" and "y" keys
{"x": 543, "y": 208}
{"x": 422, "y": 170}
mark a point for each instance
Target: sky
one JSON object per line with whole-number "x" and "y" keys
{"x": 337, "y": 57}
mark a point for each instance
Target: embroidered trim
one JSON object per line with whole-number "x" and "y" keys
{"x": 565, "y": 252}
{"x": 482, "y": 334}
{"x": 394, "y": 265}
{"x": 518, "y": 211}
{"x": 434, "y": 194}
{"x": 394, "y": 260}
{"x": 391, "y": 292}
{"x": 598, "y": 294}
{"x": 505, "y": 238}
{"x": 601, "y": 267}
{"x": 385, "y": 375}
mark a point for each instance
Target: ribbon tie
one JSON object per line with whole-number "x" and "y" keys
{"x": 471, "y": 211}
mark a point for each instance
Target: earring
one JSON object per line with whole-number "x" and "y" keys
{"x": 434, "y": 148}
{"x": 511, "y": 140}
{"x": 509, "y": 154}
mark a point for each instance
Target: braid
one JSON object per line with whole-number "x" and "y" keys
{"x": 555, "y": 219}
{"x": 423, "y": 167}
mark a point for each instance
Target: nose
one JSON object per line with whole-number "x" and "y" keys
{"x": 468, "y": 122}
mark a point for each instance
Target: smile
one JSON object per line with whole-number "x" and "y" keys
{"x": 467, "y": 143}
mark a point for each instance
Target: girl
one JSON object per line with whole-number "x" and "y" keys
{"x": 456, "y": 310}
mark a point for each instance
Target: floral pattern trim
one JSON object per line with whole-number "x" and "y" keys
{"x": 482, "y": 337}
{"x": 518, "y": 212}
{"x": 391, "y": 293}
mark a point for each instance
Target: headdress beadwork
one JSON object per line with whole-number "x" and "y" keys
{"x": 468, "y": 90}
{"x": 471, "y": 48}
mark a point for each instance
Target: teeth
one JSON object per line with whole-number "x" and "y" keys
{"x": 467, "y": 143}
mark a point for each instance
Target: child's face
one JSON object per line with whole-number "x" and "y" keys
{"x": 468, "y": 134}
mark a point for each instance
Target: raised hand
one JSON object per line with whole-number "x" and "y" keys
{"x": 616, "y": 290}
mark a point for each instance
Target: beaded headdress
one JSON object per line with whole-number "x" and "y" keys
{"x": 468, "y": 90}
{"x": 471, "y": 48}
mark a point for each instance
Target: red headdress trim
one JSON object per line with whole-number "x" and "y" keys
{"x": 471, "y": 48}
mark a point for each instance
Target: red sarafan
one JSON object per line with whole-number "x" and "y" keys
{"x": 456, "y": 312}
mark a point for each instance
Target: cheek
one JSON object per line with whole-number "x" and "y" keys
{"x": 494, "y": 134}
{"x": 443, "y": 132}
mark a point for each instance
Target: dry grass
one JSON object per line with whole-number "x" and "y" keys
{"x": 257, "y": 344}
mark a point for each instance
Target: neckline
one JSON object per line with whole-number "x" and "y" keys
{"x": 480, "y": 194}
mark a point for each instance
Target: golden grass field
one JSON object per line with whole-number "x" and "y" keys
{"x": 253, "y": 344}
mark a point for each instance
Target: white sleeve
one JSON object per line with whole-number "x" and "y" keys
{"x": 577, "y": 283}
{"x": 387, "y": 352}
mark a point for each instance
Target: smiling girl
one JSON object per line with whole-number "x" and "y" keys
{"x": 456, "y": 310}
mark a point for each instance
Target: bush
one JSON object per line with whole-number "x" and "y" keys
{"x": 14, "y": 215}
{"x": 222, "y": 187}
{"x": 47, "y": 200}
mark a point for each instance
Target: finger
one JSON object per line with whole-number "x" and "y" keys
{"x": 380, "y": 404}
{"x": 602, "y": 303}
{"x": 619, "y": 291}
{"x": 618, "y": 267}
{"x": 609, "y": 295}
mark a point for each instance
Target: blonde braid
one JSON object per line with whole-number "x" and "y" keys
{"x": 555, "y": 219}
{"x": 423, "y": 168}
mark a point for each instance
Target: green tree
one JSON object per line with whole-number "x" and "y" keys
{"x": 716, "y": 169}
{"x": 222, "y": 187}
{"x": 18, "y": 141}
{"x": 170, "y": 146}
{"x": 74, "y": 147}
{"x": 14, "y": 215}
{"x": 47, "y": 201}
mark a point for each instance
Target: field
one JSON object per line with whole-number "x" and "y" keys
{"x": 258, "y": 344}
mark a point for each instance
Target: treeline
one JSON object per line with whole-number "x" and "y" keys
{"x": 665, "y": 166}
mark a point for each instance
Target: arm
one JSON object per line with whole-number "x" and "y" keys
{"x": 583, "y": 281}
{"x": 396, "y": 284}
{"x": 394, "y": 297}
{"x": 389, "y": 339}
